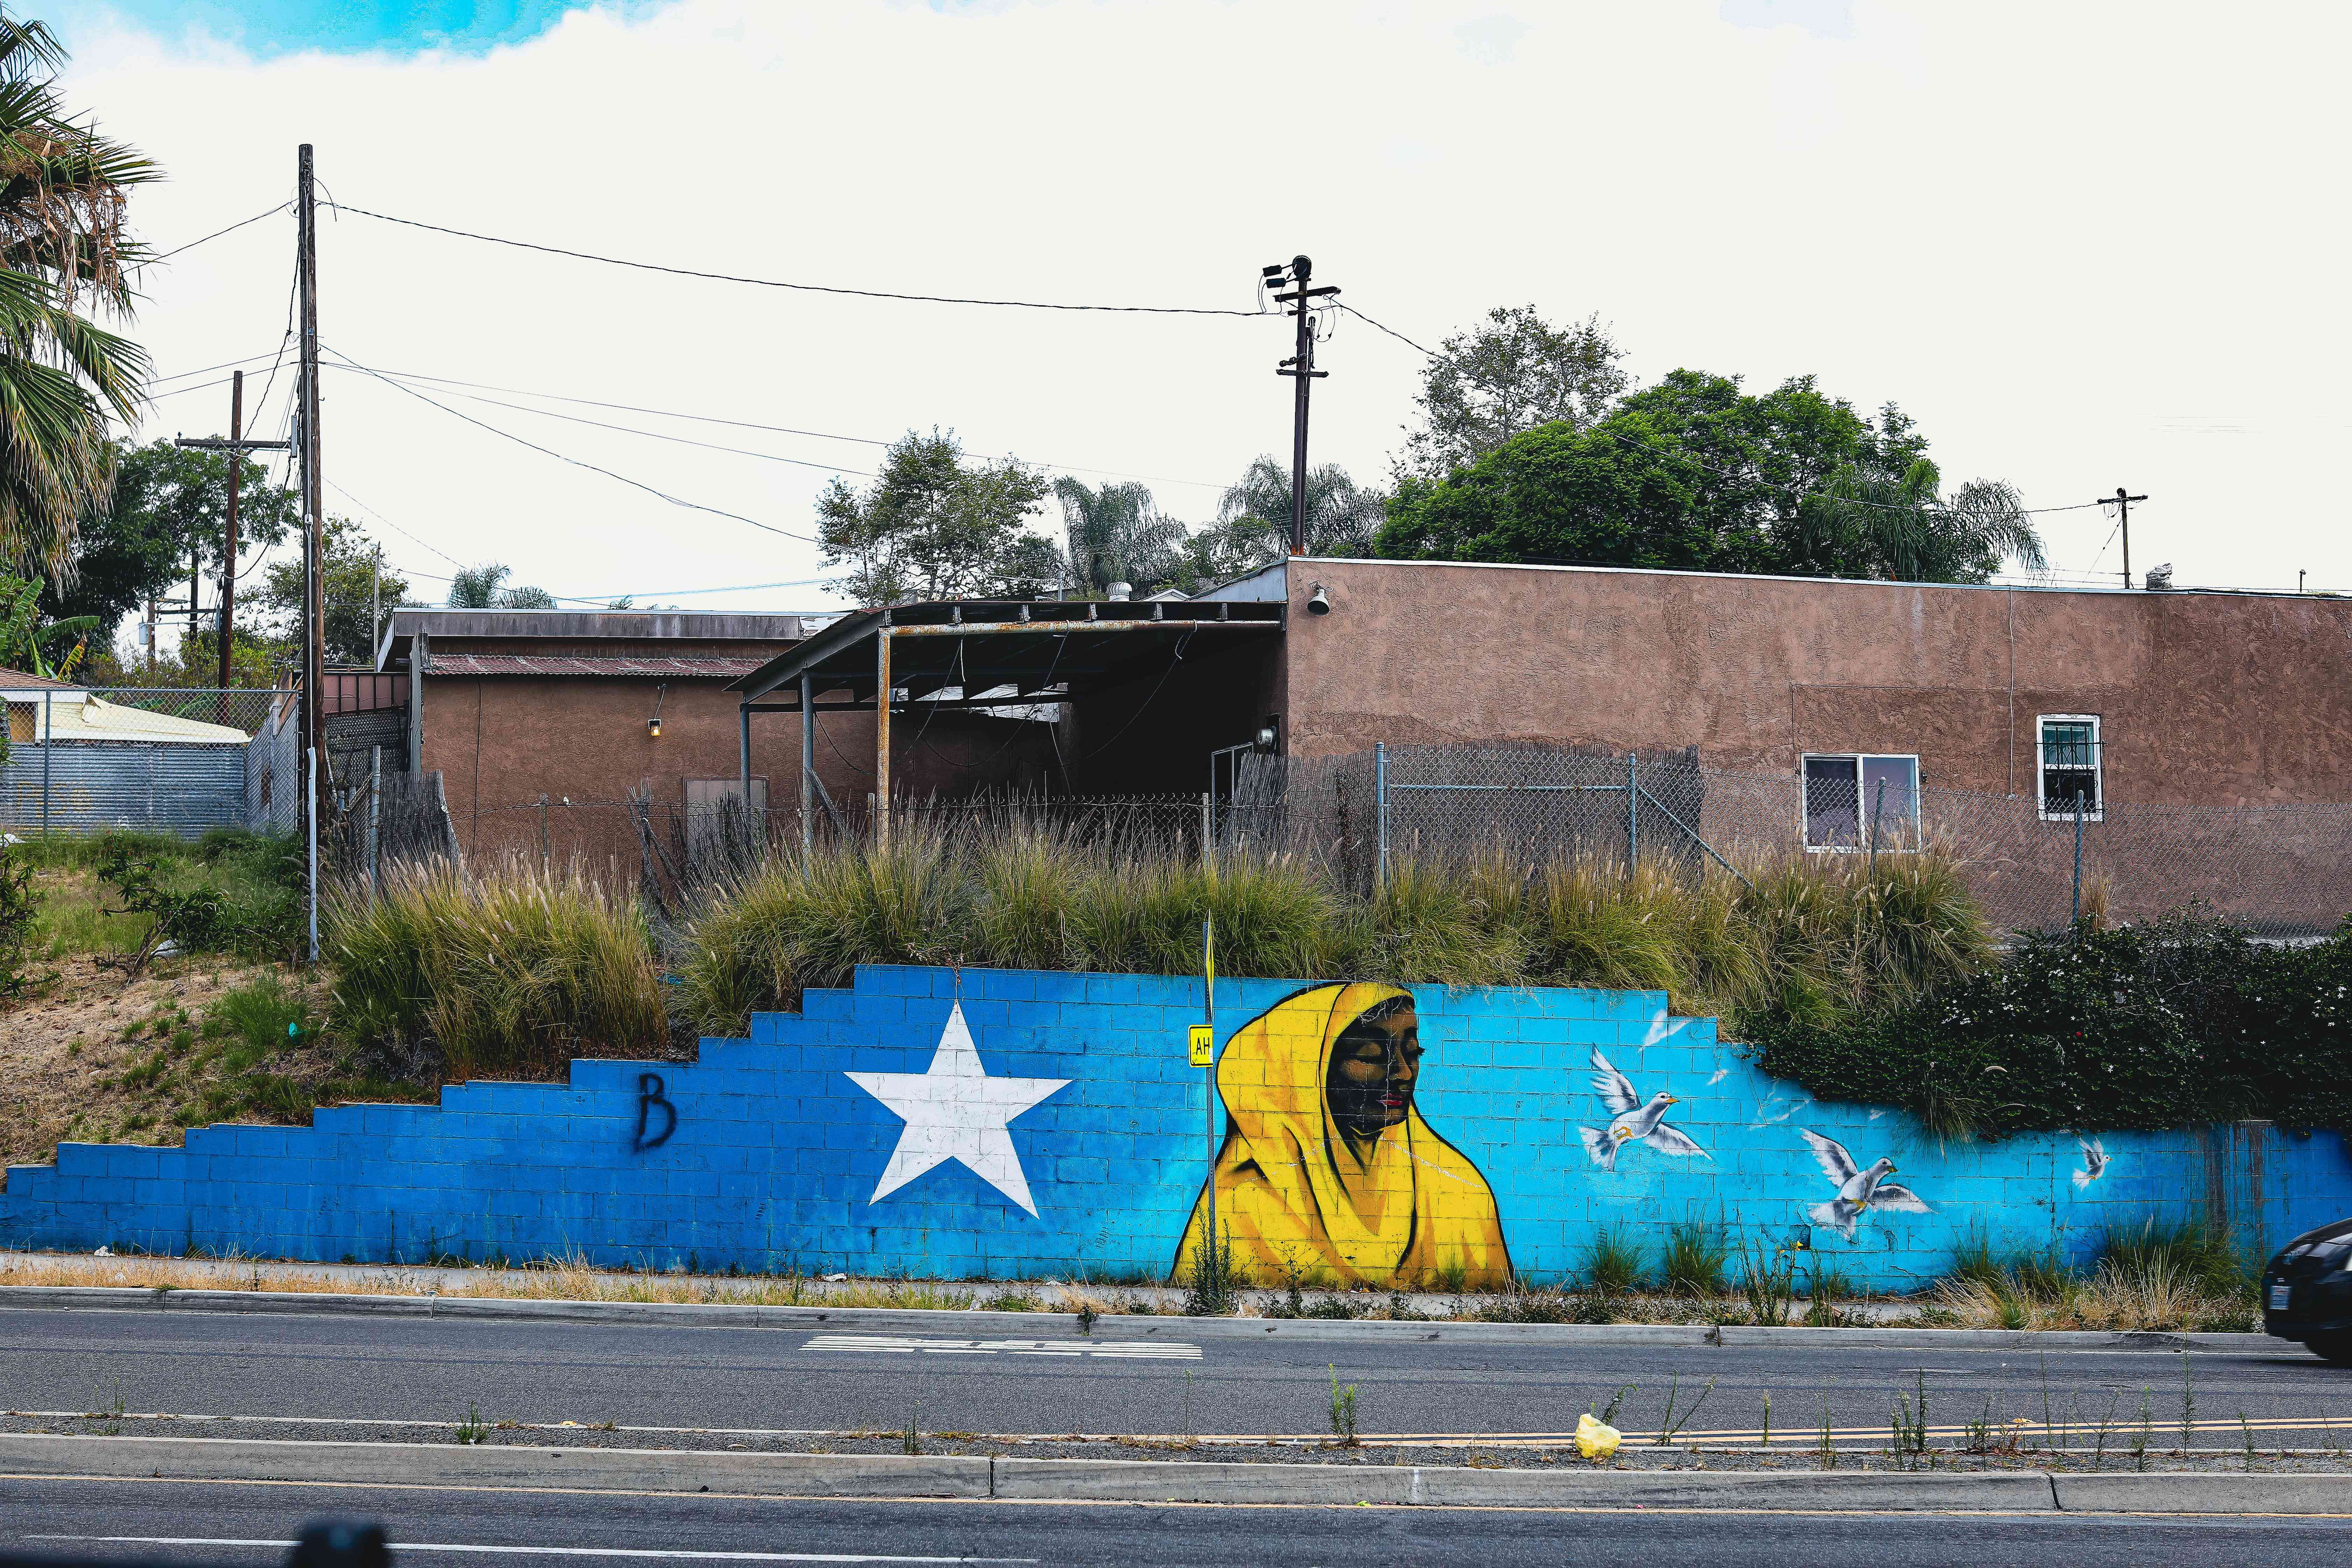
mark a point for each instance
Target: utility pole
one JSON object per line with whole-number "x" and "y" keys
{"x": 237, "y": 445}
{"x": 2123, "y": 504}
{"x": 314, "y": 563}
{"x": 1301, "y": 367}
{"x": 376, "y": 601}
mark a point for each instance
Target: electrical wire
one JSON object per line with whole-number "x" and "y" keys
{"x": 656, "y": 435}
{"x": 805, "y": 287}
{"x": 575, "y": 462}
{"x": 751, "y": 425}
{"x": 151, "y": 260}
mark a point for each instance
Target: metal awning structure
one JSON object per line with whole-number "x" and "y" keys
{"x": 994, "y": 653}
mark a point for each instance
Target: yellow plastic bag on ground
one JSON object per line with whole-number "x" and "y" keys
{"x": 1594, "y": 1441}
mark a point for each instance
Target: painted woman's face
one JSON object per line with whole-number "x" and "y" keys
{"x": 1374, "y": 1066}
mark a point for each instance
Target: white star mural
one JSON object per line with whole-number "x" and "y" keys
{"x": 956, "y": 1111}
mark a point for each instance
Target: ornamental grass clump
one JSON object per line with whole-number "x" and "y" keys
{"x": 1017, "y": 889}
{"x": 512, "y": 968}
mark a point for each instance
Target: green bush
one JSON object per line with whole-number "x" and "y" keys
{"x": 2172, "y": 1023}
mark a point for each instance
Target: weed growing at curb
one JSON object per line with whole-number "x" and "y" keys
{"x": 1825, "y": 1452}
{"x": 473, "y": 1429}
{"x": 2146, "y": 1427}
{"x": 911, "y": 1440}
{"x": 1343, "y": 1411}
{"x": 2188, "y": 1405}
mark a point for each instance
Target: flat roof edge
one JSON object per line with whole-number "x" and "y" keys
{"x": 1781, "y": 577}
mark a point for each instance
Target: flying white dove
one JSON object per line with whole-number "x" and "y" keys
{"x": 2095, "y": 1162}
{"x": 1857, "y": 1190}
{"x": 1635, "y": 1122}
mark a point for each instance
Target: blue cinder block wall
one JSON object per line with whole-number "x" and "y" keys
{"x": 767, "y": 1154}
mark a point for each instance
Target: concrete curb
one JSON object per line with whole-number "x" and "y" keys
{"x": 1144, "y": 1480}
{"x": 2157, "y": 1492}
{"x": 420, "y": 1464}
{"x": 1064, "y": 1325}
{"x": 1147, "y": 1480}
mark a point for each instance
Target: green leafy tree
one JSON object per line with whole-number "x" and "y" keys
{"x": 1118, "y": 535}
{"x": 935, "y": 526}
{"x": 1254, "y": 519}
{"x": 1695, "y": 474}
{"x": 349, "y": 581}
{"x": 168, "y": 515}
{"x": 1510, "y": 374}
{"x": 64, "y": 245}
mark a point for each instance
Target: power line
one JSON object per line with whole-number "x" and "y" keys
{"x": 1389, "y": 330}
{"x": 151, "y": 260}
{"x": 749, "y": 425}
{"x": 575, "y": 462}
{"x": 656, "y": 435}
{"x": 803, "y": 288}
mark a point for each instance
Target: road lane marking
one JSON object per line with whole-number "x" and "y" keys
{"x": 403, "y": 1546}
{"x": 899, "y": 1344}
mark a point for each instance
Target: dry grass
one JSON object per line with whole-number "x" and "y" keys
{"x": 94, "y": 1059}
{"x": 2108, "y": 1299}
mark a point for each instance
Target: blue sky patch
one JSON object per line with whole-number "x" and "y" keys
{"x": 271, "y": 27}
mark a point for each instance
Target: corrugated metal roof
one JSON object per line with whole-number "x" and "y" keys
{"x": 685, "y": 666}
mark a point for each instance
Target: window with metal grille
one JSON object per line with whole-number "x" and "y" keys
{"x": 2068, "y": 751}
{"x": 1855, "y": 801}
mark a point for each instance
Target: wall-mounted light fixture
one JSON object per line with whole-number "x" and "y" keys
{"x": 1319, "y": 603}
{"x": 652, "y": 725}
{"x": 1269, "y": 734}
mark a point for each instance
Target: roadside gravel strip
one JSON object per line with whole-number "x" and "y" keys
{"x": 26, "y": 1457}
{"x": 1108, "y": 1328}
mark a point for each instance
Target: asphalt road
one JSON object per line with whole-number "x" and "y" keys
{"x": 200, "y": 1523}
{"x": 407, "y": 1369}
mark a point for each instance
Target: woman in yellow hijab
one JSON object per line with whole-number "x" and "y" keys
{"x": 1327, "y": 1168}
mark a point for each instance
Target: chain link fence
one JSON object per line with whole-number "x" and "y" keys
{"x": 2277, "y": 871}
{"x": 168, "y": 760}
{"x": 2281, "y": 871}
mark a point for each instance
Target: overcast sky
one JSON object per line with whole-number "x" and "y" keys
{"x": 2082, "y": 244}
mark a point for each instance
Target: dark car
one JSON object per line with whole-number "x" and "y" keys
{"x": 2307, "y": 1292}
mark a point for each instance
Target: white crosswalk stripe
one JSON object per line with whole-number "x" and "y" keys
{"x": 897, "y": 1344}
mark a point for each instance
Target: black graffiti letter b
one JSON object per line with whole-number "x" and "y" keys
{"x": 650, "y": 1099}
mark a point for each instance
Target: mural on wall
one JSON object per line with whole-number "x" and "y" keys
{"x": 954, "y": 1111}
{"x": 1636, "y": 1122}
{"x": 1858, "y": 1191}
{"x": 1327, "y": 1170}
{"x": 1018, "y": 1123}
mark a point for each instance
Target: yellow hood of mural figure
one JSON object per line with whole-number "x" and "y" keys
{"x": 1290, "y": 1192}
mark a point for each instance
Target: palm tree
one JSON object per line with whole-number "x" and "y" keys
{"x": 1254, "y": 515}
{"x": 64, "y": 197}
{"x": 1876, "y": 522}
{"x": 480, "y": 588}
{"x": 1116, "y": 535}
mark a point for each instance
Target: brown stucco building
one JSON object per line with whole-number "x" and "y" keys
{"x": 541, "y": 723}
{"x": 2185, "y": 697}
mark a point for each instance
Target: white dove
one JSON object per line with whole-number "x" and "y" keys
{"x": 1635, "y": 1122}
{"x": 2095, "y": 1162}
{"x": 1858, "y": 1189}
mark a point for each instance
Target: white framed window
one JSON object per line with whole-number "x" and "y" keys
{"x": 1858, "y": 800}
{"x": 2068, "y": 761}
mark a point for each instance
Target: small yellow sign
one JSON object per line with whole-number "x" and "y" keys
{"x": 1203, "y": 1041}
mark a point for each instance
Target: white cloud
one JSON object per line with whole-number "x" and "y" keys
{"x": 2071, "y": 286}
